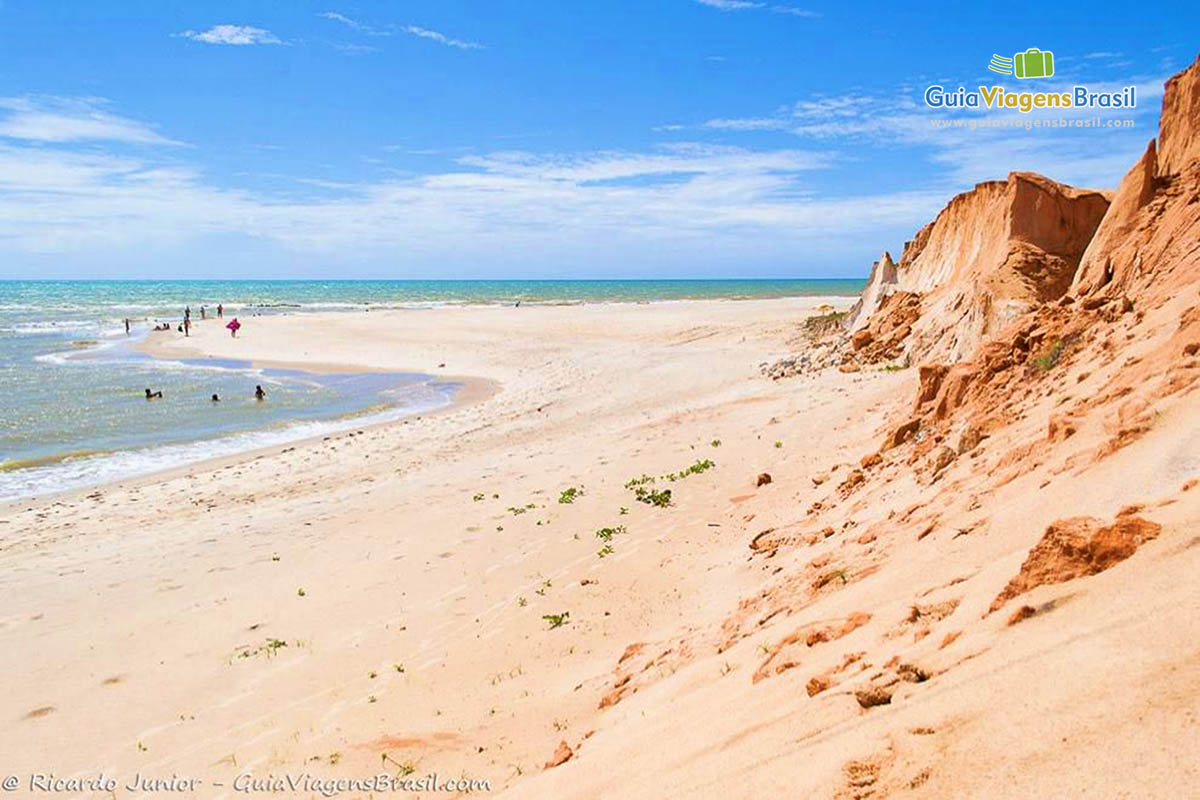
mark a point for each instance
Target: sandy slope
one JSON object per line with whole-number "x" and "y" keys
{"x": 127, "y": 610}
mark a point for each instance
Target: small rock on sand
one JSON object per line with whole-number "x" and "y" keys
{"x": 561, "y": 756}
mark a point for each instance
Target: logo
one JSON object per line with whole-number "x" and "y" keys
{"x": 1033, "y": 63}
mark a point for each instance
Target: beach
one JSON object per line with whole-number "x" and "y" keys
{"x": 143, "y": 614}
{"x": 423, "y": 596}
{"x": 479, "y": 593}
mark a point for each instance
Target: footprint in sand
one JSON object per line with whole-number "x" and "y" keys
{"x": 38, "y": 713}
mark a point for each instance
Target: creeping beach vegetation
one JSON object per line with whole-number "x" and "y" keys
{"x": 405, "y": 768}
{"x": 606, "y": 534}
{"x": 703, "y": 465}
{"x": 659, "y": 498}
{"x": 569, "y": 494}
{"x": 607, "y": 550}
{"x": 1050, "y": 356}
{"x": 557, "y": 620}
{"x": 269, "y": 649}
{"x": 633, "y": 483}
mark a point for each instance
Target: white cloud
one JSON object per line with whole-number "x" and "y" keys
{"x": 729, "y": 5}
{"x": 442, "y": 38}
{"x": 58, "y": 119}
{"x": 232, "y": 35}
{"x": 748, "y": 5}
{"x": 684, "y": 205}
{"x": 355, "y": 25}
{"x": 412, "y": 30}
{"x": 342, "y": 18}
{"x": 961, "y": 156}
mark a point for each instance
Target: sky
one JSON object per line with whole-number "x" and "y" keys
{"x": 520, "y": 139}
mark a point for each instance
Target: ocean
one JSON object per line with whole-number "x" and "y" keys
{"x": 72, "y": 384}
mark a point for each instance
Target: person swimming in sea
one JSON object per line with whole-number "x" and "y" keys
{"x": 259, "y": 394}
{"x": 153, "y": 395}
{"x": 216, "y": 398}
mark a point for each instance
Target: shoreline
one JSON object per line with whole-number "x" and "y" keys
{"x": 472, "y": 389}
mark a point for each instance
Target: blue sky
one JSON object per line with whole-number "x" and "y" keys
{"x": 677, "y": 138}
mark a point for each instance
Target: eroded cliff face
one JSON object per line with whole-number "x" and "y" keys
{"x": 1179, "y": 126}
{"x": 881, "y": 283}
{"x": 1149, "y": 243}
{"x": 995, "y": 253}
{"x": 1130, "y": 311}
{"x": 992, "y": 254}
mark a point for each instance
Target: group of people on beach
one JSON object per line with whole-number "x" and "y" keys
{"x": 259, "y": 395}
{"x": 185, "y": 327}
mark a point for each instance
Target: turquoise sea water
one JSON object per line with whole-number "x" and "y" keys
{"x": 72, "y": 386}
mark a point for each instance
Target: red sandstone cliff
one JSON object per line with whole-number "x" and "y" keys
{"x": 992, "y": 254}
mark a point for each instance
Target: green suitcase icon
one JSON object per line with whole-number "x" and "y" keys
{"x": 1033, "y": 63}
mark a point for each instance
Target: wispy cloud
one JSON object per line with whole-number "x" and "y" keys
{"x": 690, "y": 203}
{"x": 441, "y": 38}
{"x": 60, "y": 119}
{"x": 749, "y": 5}
{"x": 355, "y": 25}
{"x": 963, "y": 154}
{"x": 391, "y": 30}
{"x": 342, "y": 18}
{"x": 232, "y": 35}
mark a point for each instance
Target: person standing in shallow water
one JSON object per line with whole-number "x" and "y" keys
{"x": 127, "y": 326}
{"x": 220, "y": 310}
{"x": 259, "y": 394}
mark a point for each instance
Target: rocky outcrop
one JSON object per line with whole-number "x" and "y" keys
{"x": 1146, "y": 244}
{"x": 885, "y": 336}
{"x": 882, "y": 282}
{"x": 1075, "y": 548}
{"x": 993, "y": 254}
{"x": 1179, "y": 127}
{"x": 1137, "y": 190}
